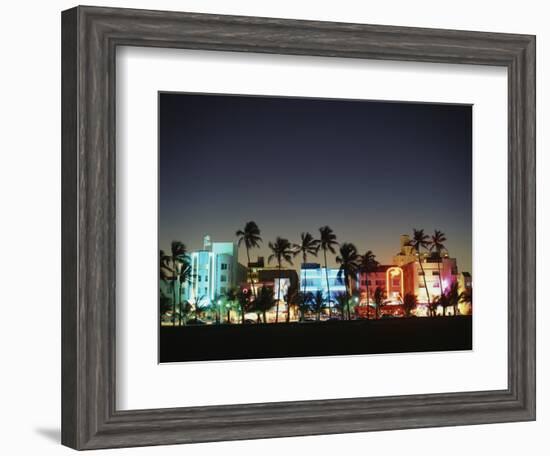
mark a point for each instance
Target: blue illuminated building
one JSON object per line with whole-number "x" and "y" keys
{"x": 314, "y": 277}
{"x": 215, "y": 269}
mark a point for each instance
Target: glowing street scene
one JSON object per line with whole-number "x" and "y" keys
{"x": 305, "y": 226}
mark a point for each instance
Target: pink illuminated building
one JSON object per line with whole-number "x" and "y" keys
{"x": 406, "y": 276}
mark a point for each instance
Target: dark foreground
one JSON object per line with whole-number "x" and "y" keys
{"x": 400, "y": 335}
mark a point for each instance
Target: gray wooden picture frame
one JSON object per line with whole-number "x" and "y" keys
{"x": 90, "y": 36}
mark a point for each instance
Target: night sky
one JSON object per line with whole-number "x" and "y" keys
{"x": 370, "y": 170}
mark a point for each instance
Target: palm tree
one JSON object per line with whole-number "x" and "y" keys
{"x": 443, "y": 301}
{"x": 282, "y": 251}
{"x": 166, "y": 272}
{"x": 432, "y": 307}
{"x": 466, "y": 297}
{"x": 317, "y": 303}
{"x": 201, "y": 306}
{"x": 421, "y": 241}
{"x": 231, "y": 300}
{"x": 166, "y": 276}
{"x": 368, "y": 265}
{"x": 250, "y": 236}
{"x": 185, "y": 276}
{"x": 409, "y": 303}
{"x": 264, "y": 301}
{"x": 185, "y": 309}
{"x": 378, "y": 300}
{"x": 243, "y": 299}
{"x": 179, "y": 256}
{"x": 303, "y": 302}
{"x": 214, "y": 309}
{"x": 453, "y": 297}
{"x": 307, "y": 246}
{"x": 327, "y": 242}
{"x": 436, "y": 245}
{"x": 349, "y": 264}
{"x": 341, "y": 303}
{"x": 165, "y": 304}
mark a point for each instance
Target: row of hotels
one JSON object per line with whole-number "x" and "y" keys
{"x": 216, "y": 269}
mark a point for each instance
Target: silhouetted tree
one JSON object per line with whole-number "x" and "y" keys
{"x": 184, "y": 310}
{"x": 308, "y": 246}
{"x": 453, "y": 297}
{"x": 436, "y": 246}
{"x": 178, "y": 257}
{"x": 368, "y": 264}
{"x": 165, "y": 304}
{"x": 201, "y": 306}
{"x": 250, "y": 236}
{"x": 349, "y": 261}
{"x": 304, "y": 303}
{"x": 466, "y": 297}
{"x": 186, "y": 276}
{"x": 341, "y": 303}
{"x": 282, "y": 252}
{"x": 443, "y": 301}
{"x": 327, "y": 243}
{"x": 231, "y": 301}
{"x": 214, "y": 307}
{"x": 264, "y": 301}
{"x": 379, "y": 296}
{"x": 243, "y": 299}
{"x": 409, "y": 303}
{"x": 418, "y": 242}
{"x": 317, "y": 300}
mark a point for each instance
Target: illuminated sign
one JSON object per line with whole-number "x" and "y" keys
{"x": 392, "y": 273}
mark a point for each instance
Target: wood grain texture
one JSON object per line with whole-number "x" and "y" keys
{"x": 89, "y": 39}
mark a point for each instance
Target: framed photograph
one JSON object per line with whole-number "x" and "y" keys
{"x": 304, "y": 166}
{"x": 285, "y": 221}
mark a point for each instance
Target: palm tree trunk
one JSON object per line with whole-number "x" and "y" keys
{"x": 424, "y": 277}
{"x": 248, "y": 268}
{"x": 328, "y": 286}
{"x": 368, "y": 297}
{"x": 350, "y": 292}
{"x": 305, "y": 288}
{"x": 181, "y": 310}
{"x": 440, "y": 281}
{"x": 174, "y": 303}
{"x": 278, "y": 296}
{"x": 439, "y": 272}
